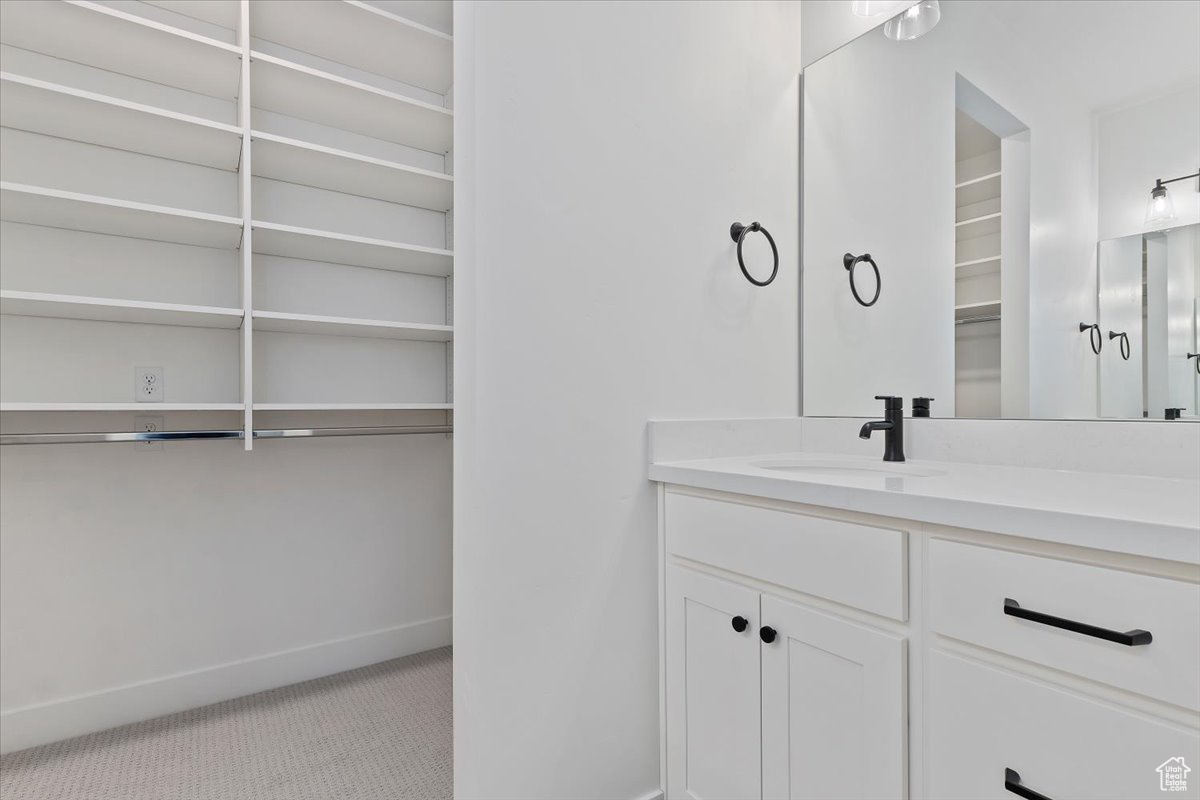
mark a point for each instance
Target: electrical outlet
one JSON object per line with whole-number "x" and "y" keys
{"x": 148, "y": 384}
{"x": 147, "y": 424}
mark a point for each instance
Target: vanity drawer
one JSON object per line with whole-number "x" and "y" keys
{"x": 984, "y": 720}
{"x": 858, "y": 565}
{"x": 969, "y": 586}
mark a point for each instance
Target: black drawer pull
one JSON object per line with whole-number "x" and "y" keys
{"x": 1012, "y": 782}
{"x": 739, "y": 623}
{"x": 1127, "y": 638}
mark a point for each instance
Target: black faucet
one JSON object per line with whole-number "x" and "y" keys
{"x": 892, "y": 425}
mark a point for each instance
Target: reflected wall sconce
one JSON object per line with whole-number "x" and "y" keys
{"x": 1160, "y": 209}
{"x": 914, "y": 21}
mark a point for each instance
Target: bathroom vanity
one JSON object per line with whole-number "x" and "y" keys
{"x": 834, "y": 626}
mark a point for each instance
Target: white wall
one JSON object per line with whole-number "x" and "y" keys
{"x": 597, "y": 288}
{"x": 134, "y": 583}
{"x": 1138, "y": 145}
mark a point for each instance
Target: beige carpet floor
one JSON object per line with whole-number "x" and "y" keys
{"x": 382, "y": 732}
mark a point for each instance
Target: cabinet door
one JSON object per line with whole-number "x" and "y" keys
{"x": 713, "y": 725}
{"x": 833, "y": 707}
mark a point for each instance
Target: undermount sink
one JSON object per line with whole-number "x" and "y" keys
{"x": 848, "y": 469}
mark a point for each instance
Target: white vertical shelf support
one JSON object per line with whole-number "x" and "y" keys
{"x": 247, "y": 209}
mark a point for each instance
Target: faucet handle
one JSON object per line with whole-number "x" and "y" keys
{"x": 920, "y": 406}
{"x": 891, "y": 402}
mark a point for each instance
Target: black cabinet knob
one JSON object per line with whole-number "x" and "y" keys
{"x": 766, "y": 633}
{"x": 740, "y": 623}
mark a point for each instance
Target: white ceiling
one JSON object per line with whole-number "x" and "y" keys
{"x": 1103, "y": 53}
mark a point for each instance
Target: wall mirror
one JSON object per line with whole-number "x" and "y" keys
{"x": 1011, "y": 174}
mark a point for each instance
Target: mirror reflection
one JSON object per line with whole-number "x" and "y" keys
{"x": 1025, "y": 177}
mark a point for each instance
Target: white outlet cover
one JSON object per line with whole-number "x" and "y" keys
{"x": 148, "y": 384}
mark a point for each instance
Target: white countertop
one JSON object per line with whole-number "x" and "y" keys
{"x": 1145, "y": 516}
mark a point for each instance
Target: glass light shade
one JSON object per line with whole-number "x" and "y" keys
{"x": 913, "y": 21}
{"x": 874, "y": 8}
{"x": 1160, "y": 209}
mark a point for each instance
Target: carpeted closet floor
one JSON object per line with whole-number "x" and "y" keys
{"x": 382, "y": 732}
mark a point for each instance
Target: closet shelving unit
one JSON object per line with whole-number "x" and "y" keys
{"x": 289, "y": 159}
{"x": 977, "y": 270}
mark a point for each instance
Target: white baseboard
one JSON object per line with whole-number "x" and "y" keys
{"x": 33, "y": 725}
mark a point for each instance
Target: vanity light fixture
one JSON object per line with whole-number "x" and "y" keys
{"x": 1160, "y": 209}
{"x": 914, "y": 21}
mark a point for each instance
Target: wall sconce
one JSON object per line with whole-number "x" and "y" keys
{"x": 916, "y": 20}
{"x": 1160, "y": 209}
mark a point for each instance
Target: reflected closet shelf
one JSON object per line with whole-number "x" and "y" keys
{"x": 84, "y": 212}
{"x": 280, "y": 322}
{"x": 100, "y": 36}
{"x": 977, "y": 226}
{"x": 101, "y": 309}
{"x": 48, "y": 108}
{"x": 972, "y": 310}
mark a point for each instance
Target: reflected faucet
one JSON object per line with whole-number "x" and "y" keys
{"x": 892, "y": 425}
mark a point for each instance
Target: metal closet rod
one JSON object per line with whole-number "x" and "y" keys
{"x": 182, "y": 436}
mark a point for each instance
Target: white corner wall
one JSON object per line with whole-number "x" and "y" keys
{"x": 602, "y": 151}
{"x": 134, "y": 584}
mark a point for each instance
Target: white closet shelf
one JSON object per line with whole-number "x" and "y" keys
{"x": 103, "y": 309}
{"x": 978, "y": 226}
{"x": 969, "y": 310}
{"x": 147, "y": 407}
{"x": 222, "y": 13}
{"x": 353, "y": 406}
{"x": 977, "y": 190}
{"x": 975, "y": 261}
{"x": 298, "y": 91}
{"x": 294, "y": 161}
{"x": 48, "y": 108}
{"x": 280, "y": 322}
{"x": 981, "y": 179}
{"x": 55, "y": 208}
{"x": 103, "y": 37}
{"x": 360, "y": 36}
{"x": 274, "y": 239}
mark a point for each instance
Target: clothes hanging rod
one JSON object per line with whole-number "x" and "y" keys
{"x": 178, "y": 436}
{"x": 973, "y": 320}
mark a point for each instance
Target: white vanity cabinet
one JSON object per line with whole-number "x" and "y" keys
{"x": 818, "y": 653}
{"x": 768, "y": 696}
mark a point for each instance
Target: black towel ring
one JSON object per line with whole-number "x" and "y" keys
{"x": 850, "y": 261}
{"x": 1124, "y": 337}
{"x": 1096, "y": 336}
{"x": 1197, "y": 357}
{"x": 737, "y": 232}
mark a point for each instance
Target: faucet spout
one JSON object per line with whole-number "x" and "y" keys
{"x": 877, "y": 425}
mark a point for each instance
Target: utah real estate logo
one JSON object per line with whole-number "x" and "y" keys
{"x": 1172, "y": 775}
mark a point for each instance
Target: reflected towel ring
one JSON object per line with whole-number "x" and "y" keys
{"x": 850, "y": 261}
{"x": 1096, "y": 336}
{"x": 1197, "y": 357}
{"x": 737, "y": 232}
{"x": 1124, "y": 342}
